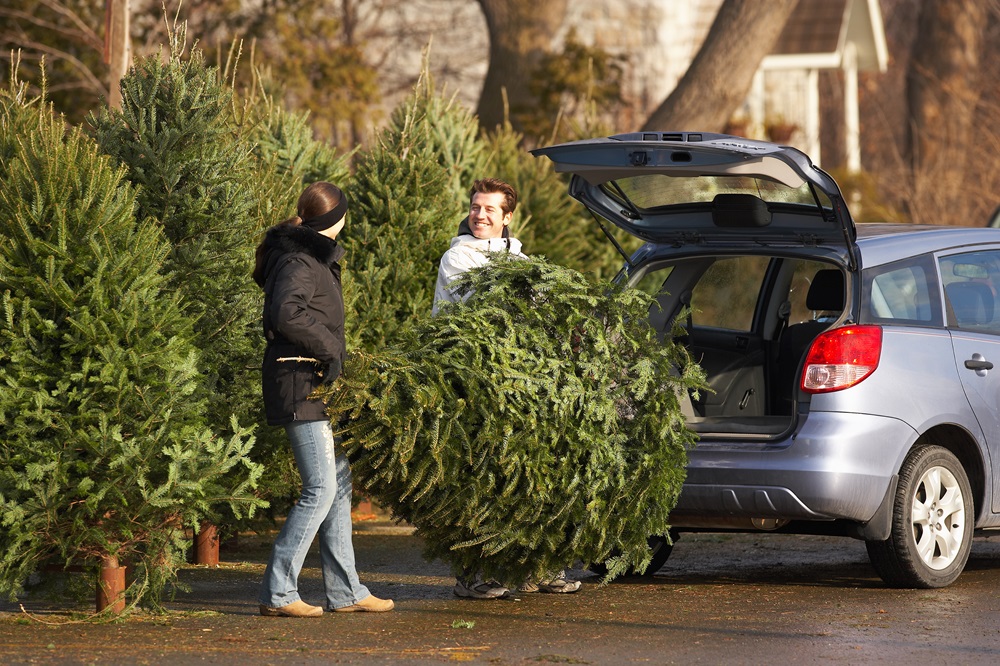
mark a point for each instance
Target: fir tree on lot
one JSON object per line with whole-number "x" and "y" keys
{"x": 175, "y": 137}
{"x": 103, "y": 448}
{"x": 215, "y": 171}
{"x": 410, "y": 191}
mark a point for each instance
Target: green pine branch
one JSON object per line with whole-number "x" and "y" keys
{"x": 532, "y": 426}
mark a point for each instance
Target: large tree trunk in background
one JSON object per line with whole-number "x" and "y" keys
{"x": 943, "y": 91}
{"x": 117, "y": 48}
{"x": 721, "y": 74}
{"x": 521, "y": 33}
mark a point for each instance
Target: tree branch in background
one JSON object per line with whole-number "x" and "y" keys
{"x": 722, "y": 72}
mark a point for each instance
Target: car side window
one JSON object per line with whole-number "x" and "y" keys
{"x": 900, "y": 293}
{"x": 970, "y": 287}
{"x": 726, "y": 295}
{"x": 652, "y": 282}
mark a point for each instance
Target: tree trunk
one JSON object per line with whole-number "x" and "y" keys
{"x": 117, "y": 47}
{"x": 206, "y": 545}
{"x": 720, "y": 76}
{"x": 943, "y": 91}
{"x": 521, "y": 33}
{"x": 111, "y": 585}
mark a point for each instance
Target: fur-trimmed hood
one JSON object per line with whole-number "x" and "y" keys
{"x": 284, "y": 239}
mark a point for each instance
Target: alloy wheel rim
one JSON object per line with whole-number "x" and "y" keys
{"x": 938, "y": 518}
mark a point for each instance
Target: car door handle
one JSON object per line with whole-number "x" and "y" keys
{"x": 978, "y": 364}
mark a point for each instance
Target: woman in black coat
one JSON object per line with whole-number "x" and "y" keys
{"x": 297, "y": 266}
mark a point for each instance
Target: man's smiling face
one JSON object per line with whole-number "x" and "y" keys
{"x": 486, "y": 216}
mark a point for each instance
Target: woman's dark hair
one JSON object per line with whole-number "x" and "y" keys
{"x": 317, "y": 199}
{"x": 320, "y": 197}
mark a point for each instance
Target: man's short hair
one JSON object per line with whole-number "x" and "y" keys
{"x": 491, "y": 185}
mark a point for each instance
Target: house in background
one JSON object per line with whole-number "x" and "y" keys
{"x": 784, "y": 103}
{"x": 660, "y": 39}
{"x": 845, "y": 35}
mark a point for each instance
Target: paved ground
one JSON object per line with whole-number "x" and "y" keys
{"x": 721, "y": 599}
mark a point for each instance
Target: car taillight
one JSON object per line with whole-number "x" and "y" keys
{"x": 841, "y": 358}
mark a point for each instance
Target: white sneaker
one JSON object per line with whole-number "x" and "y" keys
{"x": 477, "y": 588}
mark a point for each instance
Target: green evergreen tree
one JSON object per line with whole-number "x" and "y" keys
{"x": 216, "y": 169}
{"x": 409, "y": 194}
{"x": 288, "y": 154}
{"x": 103, "y": 451}
{"x": 176, "y": 138}
{"x": 534, "y": 425}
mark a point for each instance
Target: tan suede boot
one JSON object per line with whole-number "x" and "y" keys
{"x": 370, "y": 604}
{"x": 294, "y": 609}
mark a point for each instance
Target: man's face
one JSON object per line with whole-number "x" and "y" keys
{"x": 486, "y": 216}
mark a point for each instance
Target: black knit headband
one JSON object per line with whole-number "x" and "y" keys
{"x": 329, "y": 218}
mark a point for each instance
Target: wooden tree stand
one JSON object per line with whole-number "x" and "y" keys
{"x": 206, "y": 545}
{"x": 111, "y": 586}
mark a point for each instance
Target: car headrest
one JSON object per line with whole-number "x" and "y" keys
{"x": 740, "y": 210}
{"x": 826, "y": 292}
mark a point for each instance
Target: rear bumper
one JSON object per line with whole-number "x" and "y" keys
{"x": 836, "y": 466}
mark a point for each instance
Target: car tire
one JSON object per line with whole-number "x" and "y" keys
{"x": 661, "y": 547}
{"x": 932, "y": 523}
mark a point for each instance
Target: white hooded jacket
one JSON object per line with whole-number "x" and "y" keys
{"x": 467, "y": 252}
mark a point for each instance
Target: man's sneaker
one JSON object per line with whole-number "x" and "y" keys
{"x": 477, "y": 588}
{"x": 556, "y": 585}
{"x": 527, "y": 587}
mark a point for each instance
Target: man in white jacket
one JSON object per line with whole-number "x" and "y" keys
{"x": 491, "y": 207}
{"x": 486, "y": 230}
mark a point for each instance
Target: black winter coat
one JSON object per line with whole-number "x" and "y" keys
{"x": 303, "y": 317}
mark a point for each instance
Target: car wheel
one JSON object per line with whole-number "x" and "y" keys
{"x": 932, "y": 521}
{"x": 661, "y": 547}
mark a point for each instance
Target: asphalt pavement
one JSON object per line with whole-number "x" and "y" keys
{"x": 720, "y": 599}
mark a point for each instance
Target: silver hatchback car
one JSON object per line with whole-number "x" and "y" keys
{"x": 853, "y": 390}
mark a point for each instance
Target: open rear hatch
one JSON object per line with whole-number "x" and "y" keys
{"x": 755, "y": 228}
{"x": 685, "y": 188}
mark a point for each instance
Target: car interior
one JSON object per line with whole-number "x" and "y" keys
{"x": 748, "y": 321}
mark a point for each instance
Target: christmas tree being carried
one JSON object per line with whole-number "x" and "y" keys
{"x": 532, "y": 426}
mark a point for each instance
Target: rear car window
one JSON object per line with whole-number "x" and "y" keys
{"x": 651, "y": 191}
{"x": 900, "y": 293}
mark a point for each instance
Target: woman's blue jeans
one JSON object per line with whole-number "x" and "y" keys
{"x": 324, "y": 508}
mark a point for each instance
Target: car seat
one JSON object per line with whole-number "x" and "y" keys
{"x": 826, "y": 294}
{"x": 972, "y": 302}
